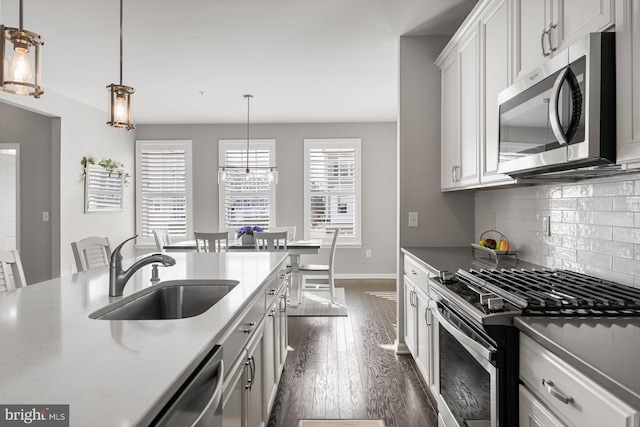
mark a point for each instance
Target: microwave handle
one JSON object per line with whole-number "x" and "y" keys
{"x": 554, "y": 118}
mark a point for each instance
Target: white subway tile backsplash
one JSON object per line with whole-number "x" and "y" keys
{"x": 595, "y": 225}
{"x": 621, "y": 219}
{"x": 621, "y": 188}
{"x": 601, "y": 232}
{"x": 595, "y": 204}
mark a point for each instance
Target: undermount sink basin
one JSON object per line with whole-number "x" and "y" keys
{"x": 174, "y": 299}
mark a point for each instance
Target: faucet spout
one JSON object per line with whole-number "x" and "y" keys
{"x": 118, "y": 277}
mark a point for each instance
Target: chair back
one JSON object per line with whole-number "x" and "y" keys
{"x": 291, "y": 232}
{"x": 10, "y": 262}
{"x": 272, "y": 242}
{"x": 162, "y": 238}
{"x": 212, "y": 242}
{"x": 91, "y": 252}
{"x": 332, "y": 253}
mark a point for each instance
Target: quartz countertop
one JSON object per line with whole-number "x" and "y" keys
{"x": 115, "y": 373}
{"x": 604, "y": 349}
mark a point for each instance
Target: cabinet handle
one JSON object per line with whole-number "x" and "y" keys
{"x": 282, "y": 276}
{"x": 552, "y": 26}
{"x": 544, "y": 52}
{"x": 250, "y": 329}
{"x": 272, "y": 291}
{"x": 427, "y": 316}
{"x": 415, "y": 273}
{"x": 548, "y": 384}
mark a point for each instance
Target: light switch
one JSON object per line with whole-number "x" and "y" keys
{"x": 45, "y": 216}
{"x": 413, "y": 219}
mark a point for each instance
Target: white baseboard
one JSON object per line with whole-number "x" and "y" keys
{"x": 401, "y": 348}
{"x": 366, "y": 276}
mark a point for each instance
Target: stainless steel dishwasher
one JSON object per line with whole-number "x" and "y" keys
{"x": 198, "y": 402}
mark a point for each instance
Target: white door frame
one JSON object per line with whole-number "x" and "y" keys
{"x": 7, "y": 146}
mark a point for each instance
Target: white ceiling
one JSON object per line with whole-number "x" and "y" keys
{"x": 191, "y": 61}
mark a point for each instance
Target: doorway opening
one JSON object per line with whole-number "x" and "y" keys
{"x": 9, "y": 197}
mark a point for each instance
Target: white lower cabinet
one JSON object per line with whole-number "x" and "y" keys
{"x": 252, "y": 377}
{"x": 417, "y": 318}
{"x": 557, "y": 394}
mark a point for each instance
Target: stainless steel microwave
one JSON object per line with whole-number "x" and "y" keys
{"x": 561, "y": 116}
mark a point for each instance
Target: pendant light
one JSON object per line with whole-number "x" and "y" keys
{"x": 120, "y": 102}
{"x": 272, "y": 170}
{"x": 17, "y": 75}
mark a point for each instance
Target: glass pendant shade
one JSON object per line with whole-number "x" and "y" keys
{"x": 121, "y": 106}
{"x": 20, "y": 71}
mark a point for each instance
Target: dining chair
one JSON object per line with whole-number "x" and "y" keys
{"x": 91, "y": 252}
{"x": 212, "y": 242}
{"x": 162, "y": 238}
{"x": 272, "y": 242}
{"x": 291, "y": 232}
{"x": 322, "y": 270}
{"x": 10, "y": 262}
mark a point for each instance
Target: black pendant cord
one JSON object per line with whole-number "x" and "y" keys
{"x": 120, "y": 41}
{"x": 21, "y": 21}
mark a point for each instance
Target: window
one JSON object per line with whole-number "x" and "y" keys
{"x": 332, "y": 189}
{"x": 163, "y": 189}
{"x": 247, "y": 200}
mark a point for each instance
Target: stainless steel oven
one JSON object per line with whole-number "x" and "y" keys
{"x": 467, "y": 371}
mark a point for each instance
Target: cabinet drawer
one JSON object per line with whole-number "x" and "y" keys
{"x": 240, "y": 333}
{"x": 417, "y": 274}
{"x": 273, "y": 288}
{"x": 576, "y": 399}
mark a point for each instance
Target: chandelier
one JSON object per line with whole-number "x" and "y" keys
{"x": 272, "y": 171}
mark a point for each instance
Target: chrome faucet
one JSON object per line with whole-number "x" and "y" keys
{"x": 118, "y": 278}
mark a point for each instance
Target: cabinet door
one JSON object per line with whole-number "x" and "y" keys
{"x": 628, "y": 80}
{"x": 270, "y": 347}
{"x": 233, "y": 414}
{"x": 409, "y": 316}
{"x": 450, "y": 104}
{"x": 575, "y": 19}
{"x": 283, "y": 335}
{"x": 534, "y": 413}
{"x": 469, "y": 109}
{"x": 496, "y": 62}
{"x": 423, "y": 335}
{"x": 531, "y": 18}
{"x": 255, "y": 392}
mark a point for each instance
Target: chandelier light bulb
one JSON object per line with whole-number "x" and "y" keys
{"x": 120, "y": 109}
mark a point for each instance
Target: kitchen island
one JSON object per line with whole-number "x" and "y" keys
{"x": 116, "y": 372}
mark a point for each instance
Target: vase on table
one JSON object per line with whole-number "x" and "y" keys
{"x": 247, "y": 239}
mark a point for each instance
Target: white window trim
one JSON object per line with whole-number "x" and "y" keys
{"x": 356, "y": 241}
{"x": 163, "y": 145}
{"x": 241, "y": 144}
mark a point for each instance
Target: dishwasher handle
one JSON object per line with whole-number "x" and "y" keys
{"x": 198, "y": 401}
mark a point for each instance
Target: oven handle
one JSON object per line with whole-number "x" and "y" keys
{"x": 487, "y": 353}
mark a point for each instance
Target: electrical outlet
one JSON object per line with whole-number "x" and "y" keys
{"x": 45, "y": 216}
{"x": 367, "y": 253}
{"x": 413, "y": 219}
{"x": 546, "y": 225}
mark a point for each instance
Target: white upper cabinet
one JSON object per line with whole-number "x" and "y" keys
{"x": 469, "y": 109}
{"x": 628, "y": 81}
{"x": 450, "y": 127}
{"x": 543, "y": 27}
{"x": 495, "y": 64}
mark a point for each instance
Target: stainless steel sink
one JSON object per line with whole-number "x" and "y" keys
{"x": 174, "y": 299}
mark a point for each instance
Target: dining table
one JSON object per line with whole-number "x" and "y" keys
{"x": 294, "y": 249}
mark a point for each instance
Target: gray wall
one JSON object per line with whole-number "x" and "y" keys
{"x": 378, "y": 182}
{"x": 445, "y": 219}
{"x": 33, "y": 133}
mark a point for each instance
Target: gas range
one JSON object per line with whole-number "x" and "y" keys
{"x": 494, "y": 297}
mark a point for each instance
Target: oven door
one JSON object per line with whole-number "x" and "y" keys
{"x": 465, "y": 373}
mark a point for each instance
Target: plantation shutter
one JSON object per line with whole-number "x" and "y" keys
{"x": 164, "y": 196}
{"x": 332, "y": 193}
{"x": 248, "y": 199}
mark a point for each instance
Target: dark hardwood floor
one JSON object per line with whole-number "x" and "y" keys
{"x": 346, "y": 367}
